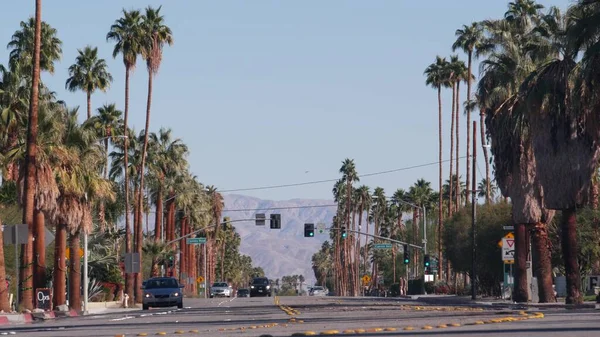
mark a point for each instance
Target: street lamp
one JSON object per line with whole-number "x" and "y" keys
{"x": 85, "y": 252}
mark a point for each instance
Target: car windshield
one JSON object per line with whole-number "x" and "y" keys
{"x": 242, "y": 291}
{"x": 163, "y": 283}
{"x": 220, "y": 284}
{"x": 260, "y": 281}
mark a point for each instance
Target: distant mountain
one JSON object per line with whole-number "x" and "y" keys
{"x": 282, "y": 251}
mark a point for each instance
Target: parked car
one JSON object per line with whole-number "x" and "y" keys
{"x": 221, "y": 289}
{"x": 243, "y": 293}
{"x": 318, "y": 291}
{"x": 260, "y": 286}
{"x": 162, "y": 292}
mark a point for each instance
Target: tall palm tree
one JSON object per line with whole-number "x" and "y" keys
{"x": 468, "y": 39}
{"x": 89, "y": 73}
{"x": 364, "y": 204}
{"x": 106, "y": 125}
{"x": 23, "y": 43}
{"x": 459, "y": 74}
{"x": 378, "y": 212}
{"x": 29, "y": 188}
{"x": 349, "y": 175}
{"x": 486, "y": 189}
{"x": 155, "y": 34}
{"x": 126, "y": 33}
{"x": 217, "y": 204}
{"x": 436, "y": 77}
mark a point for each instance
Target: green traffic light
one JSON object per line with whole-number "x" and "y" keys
{"x": 312, "y": 234}
{"x": 406, "y": 261}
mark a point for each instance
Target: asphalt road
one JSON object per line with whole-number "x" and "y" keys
{"x": 289, "y": 316}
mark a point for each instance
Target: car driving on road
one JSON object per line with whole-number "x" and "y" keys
{"x": 221, "y": 289}
{"x": 318, "y": 291}
{"x": 243, "y": 293}
{"x": 162, "y": 292}
{"x": 260, "y": 286}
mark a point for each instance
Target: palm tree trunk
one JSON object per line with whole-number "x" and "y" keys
{"x": 101, "y": 211}
{"x": 353, "y": 265}
{"x": 440, "y": 201}
{"x": 4, "y": 304}
{"x": 452, "y": 136}
{"x": 138, "y": 277}
{"x": 60, "y": 265}
{"x": 159, "y": 215}
{"x": 520, "y": 293}
{"x": 458, "y": 191}
{"x": 138, "y": 283}
{"x": 128, "y": 242}
{"x": 26, "y": 288}
{"x": 74, "y": 272}
{"x": 357, "y": 255}
{"x": 182, "y": 249}
{"x": 223, "y": 246}
{"x": 89, "y": 104}
{"x": 366, "y": 252}
{"x": 154, "y": 267}
{"x": 39, "y": 250}
{"x": 488, "y": 197}
{"x": 570, "y": 251}
{"x": 394, "y": 263}
{"x": 544, "y": 265}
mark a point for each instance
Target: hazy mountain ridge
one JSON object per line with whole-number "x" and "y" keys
{"x": 282, "y": 251}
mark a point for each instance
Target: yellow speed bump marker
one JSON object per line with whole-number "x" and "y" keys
{"x": 309, "y": 333}
{"x": 349, "y": 331}
{"x": 442, "y": 326}
{"x": 193, "y": 331}
{"x": 455, "y": 324}
{"x": 162, "y": 333}
{"x": 330, "y": 332}
{"x": 409, "y": 328}
{"x": 390, "y": 329}
{"x": 427, "y": 327}
{"x": 180, "y": 332}
{"x": 140, "y": 334}
{"x": 360, "y": 330}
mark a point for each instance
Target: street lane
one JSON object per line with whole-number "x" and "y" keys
{"x": 287, "y": 316}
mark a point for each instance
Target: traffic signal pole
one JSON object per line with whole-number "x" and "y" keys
{"x": 379, "y": 237}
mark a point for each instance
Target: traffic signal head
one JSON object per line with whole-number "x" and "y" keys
{"x": 170, "y": 263}
{"x": 275, "y": 221}
{"x": 344, "y": 233}
{"x": 406, "y": 255}
{"x": 309, "y": 230}
{"x": 427, "y": 260}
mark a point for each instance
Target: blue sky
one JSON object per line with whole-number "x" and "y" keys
{"x": 277, "y": 92}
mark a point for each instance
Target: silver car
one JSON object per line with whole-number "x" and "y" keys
{"x": 318, "y": 291}
{"x": 162, "y": 292}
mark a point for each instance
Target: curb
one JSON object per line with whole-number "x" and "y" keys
{"x": 11, "y": 319}
{"x": 16, "y": 319}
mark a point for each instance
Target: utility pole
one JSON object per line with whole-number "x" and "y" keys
{"x": 474, "y": 215}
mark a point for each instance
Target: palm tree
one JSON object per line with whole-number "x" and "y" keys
{"x": 217, "y": 204}
{"x": 29, "y": 188}
{"x": 459, "y": 74}
{"x": 167, "y": 154}
{"x": 155, "y": 34}
{"x": 436, "y": 77}
{"x": 23, "y": 43}
{"x": 468, "y": 39}
{"x": 89, "y": 73}
{"x": 126, "y": 33}
{"x": 349, "y": 175}
{"x": 364, "y": 204}
{"x": 378, "y": 212}
{"x": 486, "y": 189}
{"x": 80, "y": 183}
{"x": 106, "y": 125}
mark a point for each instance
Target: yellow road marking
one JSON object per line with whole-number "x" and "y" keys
{"x": 330, "y": 332}
{"x": 409, "y": 328}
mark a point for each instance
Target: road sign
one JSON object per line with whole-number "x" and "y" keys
{"x": 508, "y": 228}
{"x": 382, "y": 246}
{"x": 68, "y": 253}
{"x": 507, "y": 236}
{"x": 200, "y": 279}
{"x": 366, "y": 279}
{"x": 132, "y": 263}
{"x": 508, "y": 249}
{"x": 321, "y": 227}
{"x": 48, "y": 237}
{"x": 9, "y": 234}
{"x": 260, "y": 219}
{"x": 191, "y": 241}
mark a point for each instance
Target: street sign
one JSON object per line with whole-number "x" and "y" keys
{"x": 48, "y": 237}
{"x": 382, "y": 246}
{"x": 68, "y": 253}
{"x": 508, "y": 249}
{"x": 200, "y": 279}
{"x": 508, "y": 228}
{"x": 507, "y": 236}
{"x": 132, "y": 263}
{"x": 9, "y": 234}
{"x": 366, "y": 279}
{"x": 260, "y": 219}
{"x": 321, "y": 227}
{"x": 191, "y": 241}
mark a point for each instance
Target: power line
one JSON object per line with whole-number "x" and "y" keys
{"x": 336, "y": 179}
{"x": 276, "y": 208}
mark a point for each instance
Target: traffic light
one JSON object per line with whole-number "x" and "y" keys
{"x": 309, "y": 230}
{"x": 344, "y": 234}
{"x": 275, "y": 221}
{"x": 406, "y": 255}
{"x": 427, "y": 261}
{"x": 171, "y": 261}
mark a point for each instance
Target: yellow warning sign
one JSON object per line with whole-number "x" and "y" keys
{"x": 200, "y": 279}
{"x": 68, "y": 253}
{"x": 507, "y": 236}
{"x": 366, "y": 279}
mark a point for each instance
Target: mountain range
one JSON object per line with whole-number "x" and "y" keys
{"x": 284, "y": 251}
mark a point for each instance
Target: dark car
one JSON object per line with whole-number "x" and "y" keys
{"x": 260, "y": 286}
{"x": 162, "y": 292}
{"x": 243, "y": 293}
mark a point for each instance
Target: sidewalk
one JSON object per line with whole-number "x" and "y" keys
{"x": 94, "y": 308}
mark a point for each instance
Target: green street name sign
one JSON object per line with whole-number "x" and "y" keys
{"x": 383, "y": 246}
{"x": 190, "y": 241}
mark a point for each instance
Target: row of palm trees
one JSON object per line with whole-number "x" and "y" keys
{"x": 76, "y": 176}
{"x": 345, "y": 260}
{"x": 536, "y": 97}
